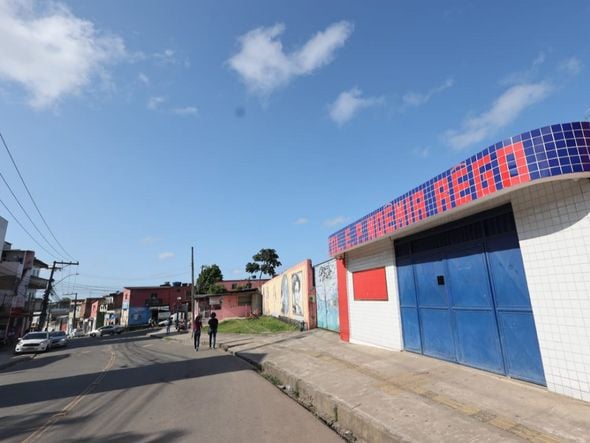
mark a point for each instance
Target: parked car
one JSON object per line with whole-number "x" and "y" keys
{"x": 106, "y": 330}
{"x": 77, "y": 333}
{"x": 33, "y": 342}
{"x": 164, "y": 322}
{"x": 59, "y": 339}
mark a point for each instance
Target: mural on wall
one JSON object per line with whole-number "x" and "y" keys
{"x": 138, "y": 316}
{"x": 291, "y": 294}
{"x": 296, "y": 292}
{"x": 285, "y": 295}
{"x": 327, "y": 296}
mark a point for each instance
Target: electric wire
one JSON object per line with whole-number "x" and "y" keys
{"x": 28, "y": 216}
{"x": 32, "y": 199}
{"x": 51, "y": 254}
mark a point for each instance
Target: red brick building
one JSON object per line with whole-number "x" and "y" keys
{"x": 144, "y": 303}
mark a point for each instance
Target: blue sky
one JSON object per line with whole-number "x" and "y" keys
{"x": 145, "y": 128}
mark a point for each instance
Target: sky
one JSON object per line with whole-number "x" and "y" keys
{"x": 144, "y": 128}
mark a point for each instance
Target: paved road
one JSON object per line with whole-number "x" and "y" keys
{"x": 135, "y": 388}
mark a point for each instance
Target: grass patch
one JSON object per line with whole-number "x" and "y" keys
{"x": 255, "y": 326}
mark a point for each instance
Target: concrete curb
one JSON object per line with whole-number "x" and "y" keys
{"x": 351, "y": 424}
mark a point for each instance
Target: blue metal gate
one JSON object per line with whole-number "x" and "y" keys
{"x": 464, "y": 298}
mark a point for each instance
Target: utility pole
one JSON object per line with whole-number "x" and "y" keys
{"x": 75, "y": 294}
{"x": 193, "y": 310}
{"x": 45, "y": 303}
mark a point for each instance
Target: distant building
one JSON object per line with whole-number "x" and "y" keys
{"x": 142, "y": 304}
{"x": 19, "y": 282}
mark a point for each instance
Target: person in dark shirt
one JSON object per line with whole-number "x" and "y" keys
{"x": 197, "y": 331}
{"x": 213, "y": 322}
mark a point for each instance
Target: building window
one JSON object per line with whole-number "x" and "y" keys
{"x": 244, "y": 300}
{"x": 234, "y": 286}
{"x": 370, "y": 284}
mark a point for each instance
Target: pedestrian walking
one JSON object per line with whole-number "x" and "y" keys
{"x": 197, "y": 325}
{"x": 168, "y": 325}
{"x": 213, "y": 322}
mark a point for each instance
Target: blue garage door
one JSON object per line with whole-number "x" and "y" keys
{"x": 464, "y": 298}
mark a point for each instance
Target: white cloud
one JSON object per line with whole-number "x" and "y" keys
{"x": 143, "y": 78}
{"x": 527, "y": 75}
{"x": 155, "y": 102}
{"x": 349, "y": 103}
{"x": 301, "y": 221}
{"x": 418, "y": 99}
{"x": 188, "y": 110}
{"x": 149, "y": 240}
{"x": 264, "y": 66}
{"x": 50, "y": 52}
{"x": 571, "y": 66}
{"x": 168, "y": 56}
{"x": 335, "y": 221}
{"x": 423, "y": 152}
{"x": 237, "y": 271}
{"x": 503, "y": 111}
{"x": 166, "y": 255}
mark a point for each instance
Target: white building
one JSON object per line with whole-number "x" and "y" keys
{"x": 485, "y": 265}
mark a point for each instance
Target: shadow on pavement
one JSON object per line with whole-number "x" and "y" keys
{"x": 125, "y": 437}
{"x": 19, "y": 426}
{"x": 38, "y": 362}
{"x": 117, "y": 379}
{"x": 15, "y": 425}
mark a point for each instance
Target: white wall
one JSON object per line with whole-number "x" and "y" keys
{"x": 553, "y": 223}
{"x": 376, "y": 323}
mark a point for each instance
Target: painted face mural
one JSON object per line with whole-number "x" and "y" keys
{"x": 285, "y": 295}
{"x": 296, "y": 291}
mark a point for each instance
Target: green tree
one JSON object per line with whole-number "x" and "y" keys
{"x": 265, "y": 261}
{"x": 207, "y": 280}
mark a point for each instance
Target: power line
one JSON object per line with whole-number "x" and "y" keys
{"x": 31, "y": 196}
{"x": 27, "y": 214}
{"x": 151, "y": 277}
{"x": 51, "y": 254}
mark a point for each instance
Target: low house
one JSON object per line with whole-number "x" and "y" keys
{"x": 241, "y": 299}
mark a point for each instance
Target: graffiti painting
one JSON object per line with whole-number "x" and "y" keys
{"x": 285, "y": 295}
{"x": 327, "y": 296}
{"x": 296, "y": 292}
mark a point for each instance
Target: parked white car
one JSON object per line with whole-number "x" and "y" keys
{"x": 77, "y": 333}
{"x": 106, "y": 330}
{"x": 33, "y": 342}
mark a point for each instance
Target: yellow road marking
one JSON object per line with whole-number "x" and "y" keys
{"x": 35, "y": 435}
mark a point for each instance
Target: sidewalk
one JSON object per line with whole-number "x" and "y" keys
{"x": 384, "y": 396}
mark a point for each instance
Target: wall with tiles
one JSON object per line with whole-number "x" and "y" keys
{"x": 553, "y": 223}
{"x": 375, "y": 323}
{"x": 552, "y": 151}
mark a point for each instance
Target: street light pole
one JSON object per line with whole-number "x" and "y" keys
{"x": 193, "y": 310}
{"x": 75, "y": 306}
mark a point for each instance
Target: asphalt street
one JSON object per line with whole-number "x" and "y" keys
{"x": 136, "y": 388}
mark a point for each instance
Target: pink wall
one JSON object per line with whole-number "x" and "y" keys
{"x": 230, "y": 308}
